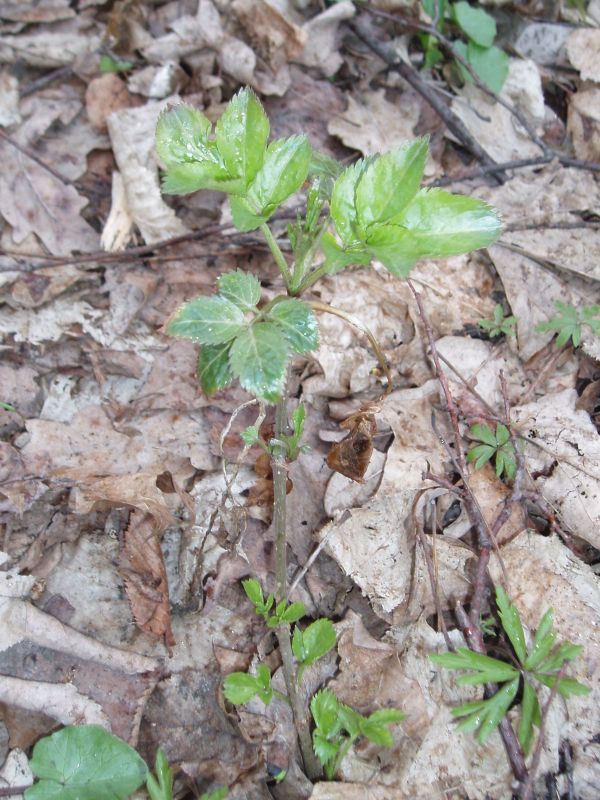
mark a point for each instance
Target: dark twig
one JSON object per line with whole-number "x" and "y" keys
{"x": 34, "y": 157}
{"x": 45, "y": 80}
{"x": 519, "y": 163}
{"x": 411, "y": 76}
{"x": 513, "y": 749}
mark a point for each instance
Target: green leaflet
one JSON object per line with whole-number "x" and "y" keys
{"x": 298, "y": 324}
{"x": 242, "y": 133}
{"x": 479, "y": 26}
{"x": 283, "y": 172}
{"x": 490, "y": 63}
{"x": 259, "y": 359}
{"x": 314, "y": 642}
{"x": 208, "y": 320}
{"x": 243, "y": 215}
{"x": 182, "y": 136}
{"x": 241, "y": 288}
{"x": 214, "y": 372}
{"x": 343, "y": 201}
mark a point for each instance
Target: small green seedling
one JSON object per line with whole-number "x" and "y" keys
{"x": 111, "y": 64}
{"x": 160, "y": 785}
{"x": 312, "y": 643}
{"x": 494, "y": 445}
{"x": 489, "y": 62}
{"x": 499, "y": 325}
{"x": 241, "y": 687}
{"x": 540, "y": 663}
{"x": 569, "y": 322}
{"x": 283, "y": 614}
{"x": 337, "y": 727}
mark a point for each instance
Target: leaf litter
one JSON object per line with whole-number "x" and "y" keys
{"x": 120, "y": 534}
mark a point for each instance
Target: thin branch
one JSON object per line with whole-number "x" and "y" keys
{"x": 34, "y": 157}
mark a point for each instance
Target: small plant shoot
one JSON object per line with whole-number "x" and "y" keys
{"x": 494, "y": 445}
{"x": 499, "y": 325}
{"x": 374, "y": 209}
{"x": 569, "y": 321}
{"x": 540, "y": 663}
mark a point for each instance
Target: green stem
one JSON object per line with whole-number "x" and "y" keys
{"x": 298, "y": 703}
{"x": 342, "y": 752}
{"x": 313, "y": 277}
{"x": 277, "y": 254}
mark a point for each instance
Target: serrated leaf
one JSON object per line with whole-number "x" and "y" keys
{"x": 283, "y": 172}
{"x": 253, "y": 591}
{"x": 350, "y": 720}
{"x": 208, "y": 320}
{"x": 390, "y": 182}
{"x": 242, "y": 288}
{"x": 298, "y": 323}
{"x": 239, "y": 687}
{"x": 484, "y": 434}
{"x": 293, "y": 613}
{"x": 375, "y": 726}
{"x": 259, "y": 358}
{"x": 85, "y": 763}
{"x": 317, "y": 640}
{"x": 479, "y": 26}
{"x": 182, "y": 136}
{"x": 480, "y": 454}
{"x": 338, "y": 258}
{"x": 242, "y": 133}
{"x": 490, "y": 64}
{"x": 324, "y": 708}
{"x": 325, "y": 750}
{"x": 387, "y": 716}
{"x": 188, "y": 178}
{"x": 530, "y": 716}
{"x": 543, "y": 641}
{"x": 214, "y": 372}
{"x": 511, "y": 622}
{"x": 263, "y": 677}
{"x": 244, "y": 216}
{"x": 343, "y": 201}
{"x": 435, "y": 224}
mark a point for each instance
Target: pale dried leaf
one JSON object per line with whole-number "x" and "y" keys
{"x": 583, "y": 49}
{"x": 278, "y": 38}
{"x": 158, "y": 81}
{"x": 46, "y": 49}
{"x": 583, "y": 123}
{"x": 9, "y": 99}
{"x": 117, "y": 230}
{"x": 322, "y": 41}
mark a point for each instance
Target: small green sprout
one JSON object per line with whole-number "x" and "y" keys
{"x": 112, "y": 64}
{"x": 161, "y": 786}
{"x": 497, "y": 445}
{"x": 290, "y": 444}
{"x": 540, "y": 663}
{"x": 313, "y": 643}
{"x": 241, "y": 687}
{"x": 337, "y": 727}
{"x": 282, "y": 613}
{"x": 499, "y": 325}
{"x": 569, "y": 321}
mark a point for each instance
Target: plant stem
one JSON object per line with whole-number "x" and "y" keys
{"x": 298, "y": 703}
{"x": 277, "y": 254}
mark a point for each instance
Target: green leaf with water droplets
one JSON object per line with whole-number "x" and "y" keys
{"x": 283, "y": 172}
{"x": 298, "y": 324}
{"x": 242, "y": 288}
{"x": 242, "y": 134}
{"x": 214, "y": 372}
{"x": 259, "y": 358}
{"x": 208, "y": 320}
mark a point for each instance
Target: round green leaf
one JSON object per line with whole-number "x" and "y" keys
{"x": 479, "y": 26}
{"x": 208, "y": 320}
{"x": 490, "y": 63}
{"x": 85, "y": 763}
{"x": 239, "y": 687}
{"x": 259, "y": 358}
{"x": 298, "y": 323}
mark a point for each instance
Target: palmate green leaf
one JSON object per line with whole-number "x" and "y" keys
{"x": 480, "y": 454}
{"x": 324, "y": 708}
{"x": 283, "y": 172}
{"x": 297, "y": 322}
{"x": 259, "y": 358}
{"x": 487, "y": 714}
{"x": 389, "y": 183}
{"x": 242, "y": 133}
{"x": 484, "y": 434}
{"x": 214, "y": 372}
{"x": 490, "y": 64}
{"x": 208, "y": 320}
{"x": 435, "y": 224}
{"x": 479, "y": 26}
{"x": 241, "y": 288}
{"x": 511, "y": 622}
{"x": 543, "y": 642}
{"x": 85, "y": 763}
{"x": 564, "y": 652}
{"x": 530, "y": 716}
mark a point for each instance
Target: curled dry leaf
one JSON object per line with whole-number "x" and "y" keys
{"x": 142, "y": 567}
{"x": 351, "y": 456}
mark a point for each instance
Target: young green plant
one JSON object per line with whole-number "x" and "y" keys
{"x": 374, "y": 209}
{"x": 525, "y": 668}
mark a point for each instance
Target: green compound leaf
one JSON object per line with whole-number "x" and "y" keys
{"x": 242, "y": 133}
{"x": 390, "y": 182}
{"x": 484, "y": 434}
{"x": 214, "y": 372}
{"x": 298, "y": 323}
{"x": 486, "y": 669}
{"x": 543, "y": 642}
{"x": 487, "y": 714}
{"x": 337, "y": 258}
{"x": 259, "y": 358}
{"x": 208, "y": 320}
{"x": 283, "y": 172}
{"x": 374, "y": 727}
{"x": 182, "y": 136}
{"x": 511, "y": 622}
{"x": 479, "y": 26}
{"x": 243, "y": 215}
{"x": 188, "y": 178}
{"x": 530, "y": 716}
{"x": 240, "y": 687}
{"x": 85, "y": 763}
{"x": 314, "y": 642}
{"x": 435, "y": 224}
{"x": 490, "y": 64}
{"x": 242, "y": 288}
